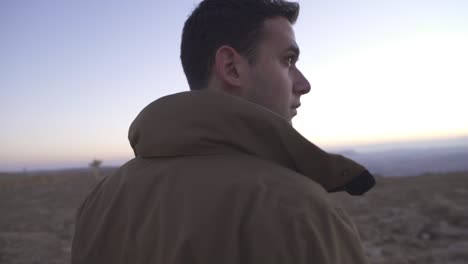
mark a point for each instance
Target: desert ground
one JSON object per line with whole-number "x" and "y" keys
{"x": 419, "y": 219}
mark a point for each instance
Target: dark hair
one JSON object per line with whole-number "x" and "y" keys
{"x": 236, "y": 23}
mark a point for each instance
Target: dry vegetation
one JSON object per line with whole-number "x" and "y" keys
{"x": 420, "y": 219}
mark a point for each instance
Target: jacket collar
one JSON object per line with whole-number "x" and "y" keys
{"x": 207, "y": 123}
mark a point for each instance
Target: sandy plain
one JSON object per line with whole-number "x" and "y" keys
{"x": 419, "y": 219}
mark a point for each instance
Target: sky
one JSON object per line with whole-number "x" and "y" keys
{"x": 74, "y": 74}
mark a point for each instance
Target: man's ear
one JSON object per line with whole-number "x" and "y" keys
{"x": 227, "y": 65}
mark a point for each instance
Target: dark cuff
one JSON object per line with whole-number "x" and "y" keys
{"x": 359, "y": 185}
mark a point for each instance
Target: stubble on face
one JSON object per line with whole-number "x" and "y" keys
{"x": 271, "y": 77}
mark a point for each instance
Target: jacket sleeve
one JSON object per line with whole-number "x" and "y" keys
{"x": 322, "y": 236}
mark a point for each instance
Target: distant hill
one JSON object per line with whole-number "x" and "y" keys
{"x": 413, "y": 161}
{"x": 387, "y": 159}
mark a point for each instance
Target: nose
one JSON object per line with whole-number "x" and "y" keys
{"x": 301, "y": 84}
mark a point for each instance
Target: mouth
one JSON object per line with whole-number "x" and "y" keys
{"x": 296, "y": 106}
{"x": 294, "y": 109}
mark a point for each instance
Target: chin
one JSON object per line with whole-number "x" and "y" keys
{"x": 293, "y": 112}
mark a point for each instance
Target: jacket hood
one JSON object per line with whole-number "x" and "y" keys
{"x": 199, "y": 123}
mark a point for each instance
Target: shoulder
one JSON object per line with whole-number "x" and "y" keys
{"x": 274, "y": 184}
{"x": 296, "y": 219}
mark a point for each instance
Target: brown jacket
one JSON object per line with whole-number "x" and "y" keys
{"x": 217, "y": 179}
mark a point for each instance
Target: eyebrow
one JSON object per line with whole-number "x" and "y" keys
{"x": 294, "y": 48}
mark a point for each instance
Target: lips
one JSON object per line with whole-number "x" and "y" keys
{"x": 296, "y": 106}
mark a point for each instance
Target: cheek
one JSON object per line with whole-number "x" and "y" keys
{"x": 279, "y": 75}
{"x": 280, "y": 92}
{"x": 272, "y": 86}
{"x": 282, "y": 82}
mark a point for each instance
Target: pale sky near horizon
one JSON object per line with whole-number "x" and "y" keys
{"x": 74, "y": 74}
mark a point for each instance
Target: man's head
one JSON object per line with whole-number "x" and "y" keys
{"x": 246, "y": 48}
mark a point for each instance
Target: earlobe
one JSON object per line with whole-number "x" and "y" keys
{"x": 226, "y": 65}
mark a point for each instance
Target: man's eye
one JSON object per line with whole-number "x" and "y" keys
{"x": 290, "y": 60}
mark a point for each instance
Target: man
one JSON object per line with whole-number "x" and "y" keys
{"x": 219, "y": 174}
